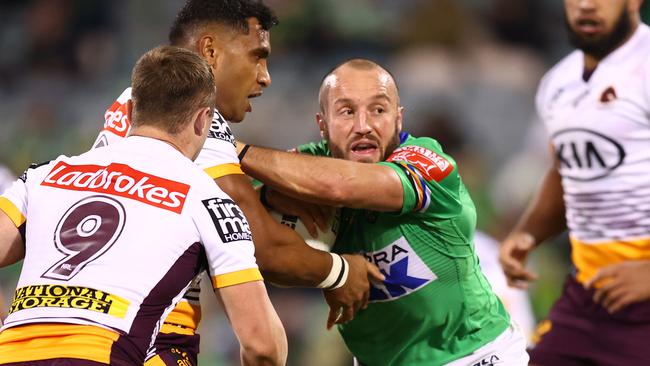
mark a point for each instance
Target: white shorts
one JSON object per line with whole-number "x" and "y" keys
{"x": 508, "y": 349}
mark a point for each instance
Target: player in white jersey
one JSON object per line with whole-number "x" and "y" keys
{"x": 115, "y": 236}
{"x": 233, "y": 37}
{"x": 596, "y": 106}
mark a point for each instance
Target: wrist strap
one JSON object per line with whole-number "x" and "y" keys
{"x": 338, "y": 273}
{"x": 263, "y": 191}
{"x": 243, "y": 152}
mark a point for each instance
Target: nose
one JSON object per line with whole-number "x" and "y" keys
{"x": 263, "y": 75}
{"x": 362, "y": 124}
{"x": 586, "y": 4}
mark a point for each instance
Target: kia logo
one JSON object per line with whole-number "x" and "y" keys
{"x": 586, "y": 155}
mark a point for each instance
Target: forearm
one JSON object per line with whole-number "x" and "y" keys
{"x": 282, "y": 255}
{"x": 12, "y": 248}
{"x": 327, "y": 181}
{"x": 545, "y": 215}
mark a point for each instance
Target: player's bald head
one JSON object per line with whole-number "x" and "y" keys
{"x": 353, "y": 68}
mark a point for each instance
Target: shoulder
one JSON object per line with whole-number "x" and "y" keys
{"x": 424, "y": 154}
{"x": 220, "y": 129}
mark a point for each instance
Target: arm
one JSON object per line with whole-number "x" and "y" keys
{"x": 286, "y": 259}
{"x": 332, "y": 182}
{"x": 260, "y": 333}
{"x": 12, "y": 248}
{"x": 543, "y": 219}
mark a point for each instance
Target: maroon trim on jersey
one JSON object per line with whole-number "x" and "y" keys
{"x": 137, "y": 341}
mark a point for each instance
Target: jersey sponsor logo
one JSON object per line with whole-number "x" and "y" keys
{"x": 586, "y": 155}
{"x": 488, "y": 361}
{"x": 431, "y": 165}
{"x": 608, "y": 95}
{"x": 220, "y": 130}
{"x": 116, "y": 119}
{"x": 120, "y": 180}
{"x": 228, "y": 219}
{"x": 404, "y": 270}
{"x": 76, "y": 297}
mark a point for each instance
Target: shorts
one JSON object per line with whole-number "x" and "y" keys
{"x": 508, "y": 349}
{"x": 175, "y": 349}
{"x": 579, "y": 332}
{"x": 57, "y": 362}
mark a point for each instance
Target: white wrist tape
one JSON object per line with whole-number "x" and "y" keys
{"x": 338, "y": 273}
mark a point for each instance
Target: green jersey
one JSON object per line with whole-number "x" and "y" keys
{"x": 435, "y": 305}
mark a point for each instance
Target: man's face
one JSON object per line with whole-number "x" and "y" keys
{"x": 361, "y": 117}
{"x": 241, "y": 71}
{"x": 597, "y": 27}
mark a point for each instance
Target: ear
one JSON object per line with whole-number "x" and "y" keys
{"x": 207, "y": 49}
{"x": 322, "y": 125}
{"x": 129, "y": 110}
{"x": 400, "y": 116}
{"x": 202, "y": 121}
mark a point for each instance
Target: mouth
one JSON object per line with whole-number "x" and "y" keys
{"x": 251, "y": 96}
{"x": 364, "y": 147}
{"x": 588, "y": 25}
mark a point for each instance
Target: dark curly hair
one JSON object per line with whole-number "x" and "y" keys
{"x": 230, "y": 12}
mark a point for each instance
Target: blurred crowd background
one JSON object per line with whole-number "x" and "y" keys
{"x": 467, "y": 72}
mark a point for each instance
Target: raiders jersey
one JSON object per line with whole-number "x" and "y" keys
{"x": 114, "y": 237}
{"x": 600, "y": 131}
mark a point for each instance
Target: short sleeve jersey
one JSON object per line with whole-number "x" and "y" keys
{"x": 218, "y": 158}
{"x": 116, "y": 235}
{"x": 600, "y": 131}
{"x": 435, "y": 305}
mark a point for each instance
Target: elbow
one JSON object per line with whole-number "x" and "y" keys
{"x": 269, "y": 350}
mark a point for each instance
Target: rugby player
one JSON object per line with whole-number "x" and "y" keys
{"x": 595, "y": 104}
{"x": 114, "y": 236}
{"x": 407, "y": 210}
{"x": 233, "y": 36}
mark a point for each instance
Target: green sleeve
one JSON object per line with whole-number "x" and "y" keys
{"x": 429, "y": 177}
{"x": 315, "y": 148}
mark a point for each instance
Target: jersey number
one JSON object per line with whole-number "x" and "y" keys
{"x": 85, "y": 232}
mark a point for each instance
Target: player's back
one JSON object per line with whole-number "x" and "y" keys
{"x": 111, "y": 242}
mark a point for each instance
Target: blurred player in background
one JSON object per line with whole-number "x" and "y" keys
{"x": 233, "y": 37}
{"x": 596, "y": 106}
{"x": 409, "y": 213}
{"x": 515, "y": 300}
{"x": 114, "y": 236}
{"x": 6, "y": 179}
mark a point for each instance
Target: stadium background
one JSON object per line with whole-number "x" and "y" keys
{"x": 467, "y": 71}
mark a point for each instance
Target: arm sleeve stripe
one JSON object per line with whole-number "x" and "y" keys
{"x": 223, "y": 169}
{"x": 12, "y": 211}
{"x": 235, "y": 278}
{"x": 419, "y": 185}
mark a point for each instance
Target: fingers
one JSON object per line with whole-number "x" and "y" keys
{"x": 310, "y": 225}
{"x": 332, "y": 317}
{"x": 603, "y": 273}
{"x": 374, "y": 274}
{"x": 512, "y": 257}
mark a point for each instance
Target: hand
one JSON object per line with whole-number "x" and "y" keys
{"x": 622, "y": 284}
{"x": 313, "y": 216}
{"x": 345, "y": 301}
{"x": 512, "y": 256}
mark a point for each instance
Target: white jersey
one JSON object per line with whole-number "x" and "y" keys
{"x": 115, "y": 236}
{"x": 218, "y": 158}
{"x": 600, "y": 130}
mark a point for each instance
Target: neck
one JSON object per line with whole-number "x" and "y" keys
{"x": 174, "y": 141}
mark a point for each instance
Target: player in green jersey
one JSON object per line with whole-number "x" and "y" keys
{"x": 409, "y": 213}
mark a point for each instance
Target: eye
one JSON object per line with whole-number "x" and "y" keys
{"x": 380, "y": 110}
{"x": 346, "y": 112}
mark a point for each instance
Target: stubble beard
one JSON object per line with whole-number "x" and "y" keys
{"x": 601, "y": 46}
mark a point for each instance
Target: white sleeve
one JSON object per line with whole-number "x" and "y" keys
{"x": 219, "y": 154}
{"x": 227, "y": 239}
{"x": 116, "y": 122}
{"x": 13, "y": 201}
